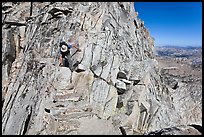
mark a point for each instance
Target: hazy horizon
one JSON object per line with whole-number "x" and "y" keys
{"x": 172, "y": 23}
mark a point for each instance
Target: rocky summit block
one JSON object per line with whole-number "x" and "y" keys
{"x": 113, "y": 86}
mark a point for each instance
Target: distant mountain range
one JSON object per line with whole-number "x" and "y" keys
{"x": 178, "y": 51}
{"x": 180, "y": 47}
{"x": 194, "y": 54}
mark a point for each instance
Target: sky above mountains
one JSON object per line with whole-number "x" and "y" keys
{"x": 172, "y": 23}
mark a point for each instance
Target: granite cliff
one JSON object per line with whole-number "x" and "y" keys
{"x": 113, "y": 86}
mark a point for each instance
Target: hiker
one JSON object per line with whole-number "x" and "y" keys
{"x": 65, "y": 51}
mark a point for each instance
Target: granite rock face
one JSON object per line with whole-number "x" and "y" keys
{"x": 112, "y": 84}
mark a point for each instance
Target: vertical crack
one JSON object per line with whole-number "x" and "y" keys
{"x": 27, "y": 120}
{"x": 31, "y": 8}
{"x": 82, "y": 27}
{"x": 97, "y": 21}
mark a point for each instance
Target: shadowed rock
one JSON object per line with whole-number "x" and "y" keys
{"x": 113, "y": 86}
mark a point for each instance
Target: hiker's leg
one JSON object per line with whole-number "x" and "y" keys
{"x": 69, "y": 60}
{"x": 60, "y": 59}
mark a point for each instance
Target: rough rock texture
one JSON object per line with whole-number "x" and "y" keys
{"x": 178, "y": 130}
{"x": 112, "y": 84}
{"x": 184, "y": 82}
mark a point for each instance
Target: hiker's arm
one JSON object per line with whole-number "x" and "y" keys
{"x": 75, "y": 46}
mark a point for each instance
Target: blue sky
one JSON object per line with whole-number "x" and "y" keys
{"x": 172, "y": 23}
